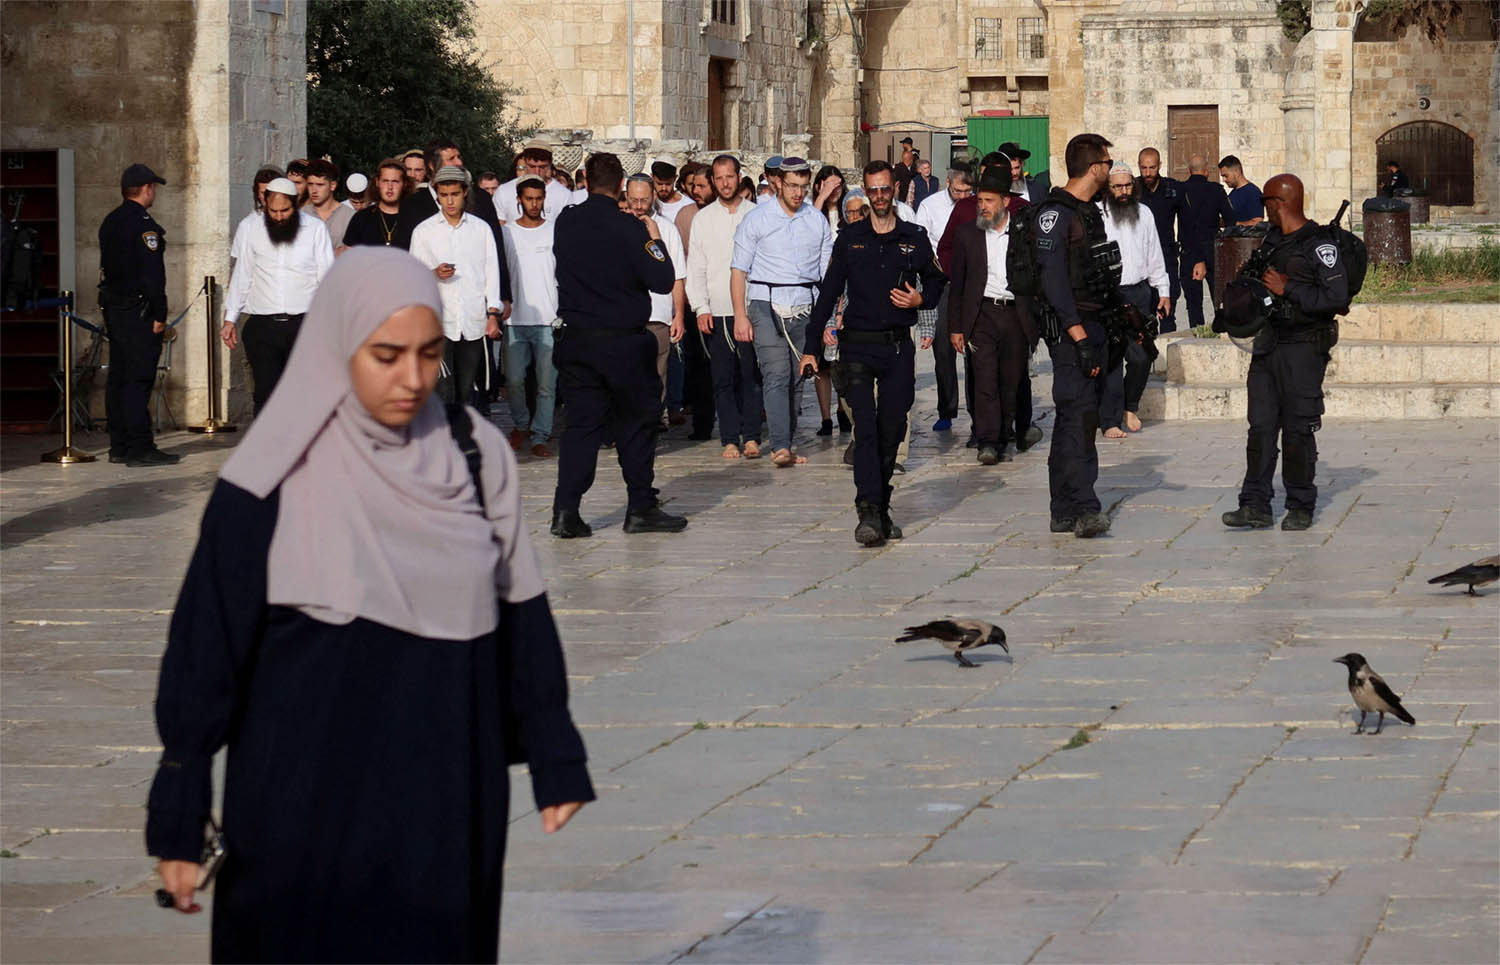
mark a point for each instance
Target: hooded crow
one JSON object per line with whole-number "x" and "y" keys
{"x": 958, "y": 635}
{"x": 1477, "y": 573}
{"x": 1371, "y": 693}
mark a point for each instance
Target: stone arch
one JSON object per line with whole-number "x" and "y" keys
{"x": 1435, "y": 156}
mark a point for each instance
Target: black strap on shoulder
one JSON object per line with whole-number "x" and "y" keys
{"x": 462, "y": 428}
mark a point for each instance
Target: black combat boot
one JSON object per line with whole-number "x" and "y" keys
{"x": 1296, "y": 519}
{"x": 890, "y": 529}
{"x": 871, "y": 530}
{"x": 1248, "y": 517}
{"x": 567, "y": 524}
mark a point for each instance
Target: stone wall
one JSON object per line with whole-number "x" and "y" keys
{"x": 1389, "y": 79}
{"x": 1140, "y": 62}
{"x": 202, "y": 92}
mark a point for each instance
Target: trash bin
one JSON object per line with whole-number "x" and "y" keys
{"x": 1421, "y": 208}
{"x": 1231, "y": 250}
{"x": 1387, "y": 230}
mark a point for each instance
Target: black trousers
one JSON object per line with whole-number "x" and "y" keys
{"x": 1193, "y": 290}
{"x": 133, "y": 353}
{"x": 1023, "y": 393}
{"x": 268, "y": 343}
{"x": 467, "y": 361}
{"x": 1124, "y": 386}
{"x": 997, "y": 356}
{"x": 1073, "y": 462}
{"x": 736, "y": 384}
{"x": 697, "y": 379}
{"x": 945, "y": 366}
{"x": 1286, "y": 399}
{"x": 880, "y": 383}
{"x": 611, "y": 384}
{"x": 1171, "y": 256}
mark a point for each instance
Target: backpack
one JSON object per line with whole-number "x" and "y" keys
{"x": 1352, "y": 252}
{"x": 1023, "y": 273}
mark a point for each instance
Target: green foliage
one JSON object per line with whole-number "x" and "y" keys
{"x": 1077, "y": 740}
{"x": 386, "y": 76}
{"x": 1296, "y": 17}
{"x": 1451, "y": 275}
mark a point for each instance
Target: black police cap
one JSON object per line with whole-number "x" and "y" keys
{"x": 138, "y": 174}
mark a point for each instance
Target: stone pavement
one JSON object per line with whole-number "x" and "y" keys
{"x": 1161, "y": 770}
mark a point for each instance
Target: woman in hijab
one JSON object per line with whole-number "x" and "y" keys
{"x": 368, "y": 633}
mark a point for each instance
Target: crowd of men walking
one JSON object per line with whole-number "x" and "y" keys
{"x": 696, "y": 292}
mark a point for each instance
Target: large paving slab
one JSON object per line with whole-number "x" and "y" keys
{"x": 1161, "y": 769}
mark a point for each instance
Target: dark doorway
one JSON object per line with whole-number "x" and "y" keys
{"x": 718, "y": 80}
{"x": 1192, "y": 130}
{"x": 1435, "y": 156}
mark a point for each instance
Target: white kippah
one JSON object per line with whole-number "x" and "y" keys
{"x": 282, "y": 186}
{"x": 356, "y": 183}
{"x": 1119, "y": 166}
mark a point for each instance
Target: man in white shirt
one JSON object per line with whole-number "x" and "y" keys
{"x": 528, "y": 330}
{"x": 984, "y": 319}
{"x": 537, "y": 159}
{"x": 932, "y": 215}
{"x": 736, "y": 382}
{"x": 280, "y": 259}
{"x": 460, "y": 250}
{"x": 667, "y": 311}
{"x": 1145, "y": 284}
{"x": 780, "y": 252}
{"x": 669, "y": 200}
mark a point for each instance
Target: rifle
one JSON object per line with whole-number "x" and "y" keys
{"x": 1123, "y": 322}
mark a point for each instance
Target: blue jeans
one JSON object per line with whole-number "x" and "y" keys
{"x": 525, "y": 344}
{"x": 778, "y": 371}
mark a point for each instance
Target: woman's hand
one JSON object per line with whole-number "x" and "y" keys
{"x": 180, "y": 879}
{"x": 557, "y": 815}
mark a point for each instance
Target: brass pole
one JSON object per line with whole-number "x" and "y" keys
{"x": 213, "y": 423}
{"x": 67, "y": 454}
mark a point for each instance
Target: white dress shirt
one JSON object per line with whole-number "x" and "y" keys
{"x": 710, "y": 249}
{"x": 474, "y": 286}
{"x": 932, "y": 215}
{"x": 533, "y": 273}
{"x": 996, "y": 244}
{"x": 1140, "y": 250}
{"x": 661, "y": 305}
{"x": 507, "y": 208}
{"x": 272, "y": 279}
{"x": 904, "y": 211}
{"x": 670, "y": 208}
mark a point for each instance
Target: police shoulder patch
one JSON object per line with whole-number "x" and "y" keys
{"x": 655, "y": 250}
{"x": 152, "y": 240}
{"x": 1047, "y": 220}
{"x": 1328, "y": 255}
{"x": 906, "y": 249}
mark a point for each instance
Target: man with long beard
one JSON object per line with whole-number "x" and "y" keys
{"x": 1145, "y": 285}
{"x": 282, "y": 258}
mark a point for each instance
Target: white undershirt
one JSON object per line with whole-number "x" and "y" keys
{"x": 533, "y": 273}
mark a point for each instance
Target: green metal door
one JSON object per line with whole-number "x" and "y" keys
{"x": 988, "y": 133}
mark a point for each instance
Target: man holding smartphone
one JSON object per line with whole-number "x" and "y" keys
{"x": 890, "y": 271}
{"x": 460, "y": 250}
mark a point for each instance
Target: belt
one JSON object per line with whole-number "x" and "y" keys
{"x": 889, "y": 336}
{"x": 611, "y": 332}
{"x": 282, "y": 318}
{"x": 987, "y": 300}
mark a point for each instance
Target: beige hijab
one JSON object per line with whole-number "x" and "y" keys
{"x": 377, "y": 522}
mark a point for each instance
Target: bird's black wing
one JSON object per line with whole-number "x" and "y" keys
{"x": 1385, "y": 693}
{"x": 1481, "y": 573}
{"x": 938, "y": 630}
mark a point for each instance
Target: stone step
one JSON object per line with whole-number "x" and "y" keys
{"x": 1227, "y": 400}
{"x": 1416, "y": 322}
{"x": 1194, "y": 361}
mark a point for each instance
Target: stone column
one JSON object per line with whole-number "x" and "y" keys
{"x": 1332, "y": 37}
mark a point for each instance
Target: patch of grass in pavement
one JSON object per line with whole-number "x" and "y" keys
{"x": 1077, "y": 740}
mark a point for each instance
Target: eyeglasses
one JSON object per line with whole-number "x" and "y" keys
{"x": 880, "y": 189}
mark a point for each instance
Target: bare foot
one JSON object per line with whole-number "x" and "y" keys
{"x": 1132, "y": 422}
{"x": 752, "y": 450}
{"x": 784, "y": 457}
{"x": 731, "y": 451}
{"x": 1114, "y": 432}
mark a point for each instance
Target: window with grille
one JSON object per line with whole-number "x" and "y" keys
{"x": 726, "y": 11}
{"x": 1031, "y": 38}
{"x": 987, "y": 39}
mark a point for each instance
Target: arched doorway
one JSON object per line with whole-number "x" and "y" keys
{"x": 1435, "y": 156}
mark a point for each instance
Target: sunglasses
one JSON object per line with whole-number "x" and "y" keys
{"x": 886, "y": 189}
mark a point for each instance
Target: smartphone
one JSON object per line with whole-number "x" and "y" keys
{"x": 908, "y": 278}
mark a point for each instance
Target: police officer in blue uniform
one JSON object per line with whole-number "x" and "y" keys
{"x": 1069, "y": 231}
{"x": 1163, "y": 195}
{"x": 608, "y": 263}
{"x": 133, "y": 297}
{"x": 890, "y": 271}
{"x": 1310, "y": 285}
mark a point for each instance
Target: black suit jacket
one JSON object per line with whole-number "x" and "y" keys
{"x": 969, "y": 274}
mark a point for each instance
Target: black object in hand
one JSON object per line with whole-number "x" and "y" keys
{"x": 1089, "y": 358}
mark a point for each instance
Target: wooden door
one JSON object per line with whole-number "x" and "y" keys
{"x": 717, "y": 128}
{"x": 1192, "y": 130}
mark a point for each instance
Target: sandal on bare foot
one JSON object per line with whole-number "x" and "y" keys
{"x": 1114, "y": 432}
{"x": 752, "y": 450}
{"x": 731, "y": 451}
{"x": 784, "y": 457}
{"x": 1132, "y": 422}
